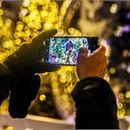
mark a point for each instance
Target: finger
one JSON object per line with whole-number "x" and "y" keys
{"x": 21, "y": 50}
{"x": 104, "y": 69}
{"x": 37, "y": 42}
{"x": 83, "y": 51}
{"x": 43, "y": 67}
{"x": 103, "y": 66}
{"x": 100, "y": 51}
{"x": 99, "y": 41}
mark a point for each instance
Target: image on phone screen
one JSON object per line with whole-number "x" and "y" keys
{"x": 65, "y": 50}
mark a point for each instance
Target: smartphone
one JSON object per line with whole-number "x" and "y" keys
{"x": 64, "y": 50}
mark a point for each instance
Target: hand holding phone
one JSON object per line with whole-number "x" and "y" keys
{"x": 27, "y": 59}
{"x": 94, "y": 65}
{"x": 64, "y": 50}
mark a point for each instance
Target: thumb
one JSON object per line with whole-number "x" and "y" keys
{"x": 83, "y": 51}
{"x": 37, "y": 42}
{"x": 42, "y": 67}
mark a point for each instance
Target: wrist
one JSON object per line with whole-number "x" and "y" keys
{"x": 90, "y": 76}
{"x": 18, "y": 70}
{"x": 88, "y": 83}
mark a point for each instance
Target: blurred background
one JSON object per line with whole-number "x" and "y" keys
{"x": 22, "y": 20}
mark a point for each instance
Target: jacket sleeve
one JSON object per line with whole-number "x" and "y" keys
{"x": 22, "y": 91}
{"x": 95, "y": 105}
{"x": 6, "y": 78}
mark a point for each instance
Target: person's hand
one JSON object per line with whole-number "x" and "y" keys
{"x": 93, "y": 65}
{"x": 29, "y": 58}
{"x": 24, "y": 63}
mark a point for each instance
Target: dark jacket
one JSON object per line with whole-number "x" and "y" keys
{"x": 22, "y": 90}
{"x": 95, "y": 105}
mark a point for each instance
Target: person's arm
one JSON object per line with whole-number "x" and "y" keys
{"x": 6, "y": 78}
{"x": 24, "y": 64}
{"x": 94, "y": 100}
{"x": 95, "y": 105}
{"x": 22, "y": 91}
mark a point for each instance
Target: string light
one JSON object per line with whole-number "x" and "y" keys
{"x": 121, "y": 96}
{"x": 42, "y": 97}
{"x": 120, "y": 106}
{"x": 121, "y": 113}
{"x": 127, "y": 94}
{"x": 112, "y": 70}
{"x": 114, "y": 8}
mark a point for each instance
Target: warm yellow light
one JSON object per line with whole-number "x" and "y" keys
{"x": 113, "y": 8}
{"x": 26, "y": 3}
{"x": 8, "y": 44}
{"x": 18, "y": 34}
{"x": 48, "y": 25}
{"x": 127, "y": 94}
{"x": 23, "y": 12}
{"x": 19, "y": 27}
{"x": 37, "y": 26}
{"x": 1, "y": 12}
{"x": 17, "y": 42}
{"x": 8, "y": 22}
{"x": 31, "y": 7}
{"x": 70, "y": 88}
{"x": 43, "y": 14}
{"x": 34, "y": 34}
{"x": 121, "y": 96}
{"x": 128, "y": 127}
{"x": 121, "y": 113}
{"x": 63, "y": 78}
{"x": 27, "y": 33}
{"x": 74, "y": 32}
{"x": 1, "y": 22}
{"x": 120, "y": 106}
{"x": 33, "y": 15}
{"x": 112, "y": 70}
{"x": 25, "y": 19}
{"x": 42, "y": 97}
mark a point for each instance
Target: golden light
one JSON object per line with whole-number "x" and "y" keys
{"x": 42, "y": 97}
{"x": 1, "y": 22}
{"x": 63, "y": 77}
{"x": 19, "y": 27}
{"x": 48, "y": 25}
{"x": 121, "y": 96}
{"x": 8, "y": 127}
{"x": 121, "y": 113}
{"x": 44, "y": 14}
{"x": 127, "y": 94}
{"x": 120, "y": 106}
{"x": 1, "y": 12}
{"x": 112, "y": 70}
{"x": 17, "y": 42}
{"x": 128, "y": 127}
{"x": 6, "y": 45}
{"x": 23, "y": 12}
{"x": 26, "y": 3}
{"x": 114, "y": 8}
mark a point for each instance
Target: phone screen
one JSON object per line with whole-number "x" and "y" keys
{"x": 64, "y": 50}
